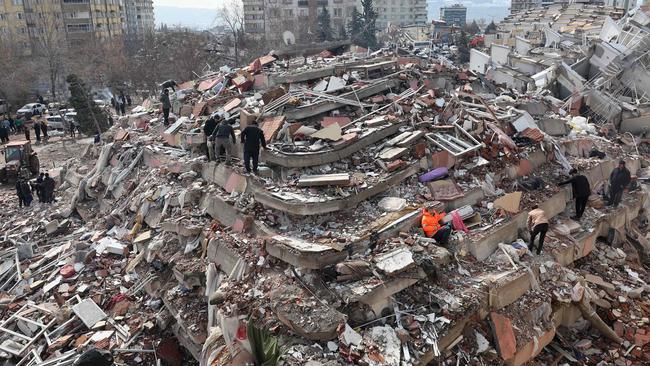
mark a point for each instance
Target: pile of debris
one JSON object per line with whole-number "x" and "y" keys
{"x": 153, "y": 252}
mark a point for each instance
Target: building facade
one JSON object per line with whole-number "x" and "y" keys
{"x": 269, "y": 19}
{"x": 32, "y": 24}
{"x": 139, "y": 18}
{"x": 400, "y": 12}
{"x": 454, "y": 15}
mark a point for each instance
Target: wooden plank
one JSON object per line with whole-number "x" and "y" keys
{"x": 399, "y": 138}
{"x": 393, "y": 153}
{"x": 324, "y": 180}
{"x": 411, "y": 139}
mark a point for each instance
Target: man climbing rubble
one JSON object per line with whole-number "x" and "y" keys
{"x": 537, "y": 225}
{"x": 48, "y": 188}
{"x": 432, "y": 226}
{"x": 618, "y": 182}
{"x": 581, "y": 191}
{"x": 252, "y": 137}
{"x": 166, "y": 106}
{"x": 221, "y": 136}
{"x": 23, "y": 192}
{"x": 208, "y": 129}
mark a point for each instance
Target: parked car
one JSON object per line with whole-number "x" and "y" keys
{"x": 30, "y": 109}
{"x": 55, "y": 123}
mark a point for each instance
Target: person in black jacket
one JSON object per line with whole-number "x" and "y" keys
{"x": 252, "y": 137}
{"x": 618, "y": 181}
{"x": 581, "y": 191}
{"x": 166, "y": 106}
{"x": 208, "y": 129}
{"x": 222, "y": 135}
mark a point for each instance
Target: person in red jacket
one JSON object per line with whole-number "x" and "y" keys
{"x": 433, "y": 228}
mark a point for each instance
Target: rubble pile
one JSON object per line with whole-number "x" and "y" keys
{"x": 152, "y": 252}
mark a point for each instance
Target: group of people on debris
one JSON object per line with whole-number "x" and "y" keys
{"x": 537, "y": 222}
{"x": 221, "y": 137}
{"x": 120, "y": 104}
{"x": 43, "y": 186}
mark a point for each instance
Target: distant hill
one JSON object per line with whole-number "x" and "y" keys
{"x": 195, "y": 18}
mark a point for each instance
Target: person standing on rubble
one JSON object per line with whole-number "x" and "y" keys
{"x": 122, "y": 103}
{"x": 221, "y": 136}
{"x": 252, "y": 137}
{"x": 37, "y": 130}
{"x": 166, "y": 105}
{"x": 38, "y": 187}
{"x": 537, "y": 225}
{"x": 24, "y": 194}
{"x": 169, "y": 84}
{"x": 581, "y": 191}
{"x": 208, "y": 129}
{"x": 46, "y": 138}
{"x": 48, "y": 188}
{"x": 432, "y": 226}
{"x": 618, "y": 182}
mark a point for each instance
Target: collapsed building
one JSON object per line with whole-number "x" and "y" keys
{"x": 154, "y": 253}
{"x": 597, "y": 65}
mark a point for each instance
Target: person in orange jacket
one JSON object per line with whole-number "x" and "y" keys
{"x": 433, "y": 228}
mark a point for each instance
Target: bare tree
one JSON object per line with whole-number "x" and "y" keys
{"x": 45, "y": 25}
{"x": 231, "y": 14}
{"x": 19, "y": 72}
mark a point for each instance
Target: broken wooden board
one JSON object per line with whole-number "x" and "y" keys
{"x": 377, "y": 121}
{"x": 393, "y": 153}
{"x": 411, "y": 139}
{"x": 324, "y": 180}
{"x": 509, "y": 202}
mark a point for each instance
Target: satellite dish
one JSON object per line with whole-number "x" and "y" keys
{"x": 288, "y": 38}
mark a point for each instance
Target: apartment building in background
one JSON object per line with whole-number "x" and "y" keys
{"x": 139, "y": 18}
{"x": 400, "y": 13}
{"x": 454, "y": 15}
{"x": 270, "y": 18}
{"x": 27, "y": 24}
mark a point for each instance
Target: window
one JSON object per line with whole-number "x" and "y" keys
{"x": 76, "y": 1}
{"x": 78, "y": 27}
{"x": 20, "y": 16}
{"x": 17, "y": 2}
{"x": 274, "y": 13}
{"x": 338, "y": 12}
{"x": 288, "y": 13}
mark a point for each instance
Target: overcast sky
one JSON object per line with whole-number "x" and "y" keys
{"x": 189, "y": 3}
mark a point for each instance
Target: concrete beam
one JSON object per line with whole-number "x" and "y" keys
{"x": 317, "y": 208}
{"x": 301, "y": 160}
{"x": 326, "y": 106}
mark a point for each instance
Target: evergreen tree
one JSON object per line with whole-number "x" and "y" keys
{"x": 472, "y": 28}
{"x": 90, "y": 117}
{"x": 355, "y": 25}
{"x": 343, "y": 34}
{"x": 368, "y": 37}
{"x": 491, "y": 28}
{"x": 463, "y": 48}
{"x": 324, "y": 25}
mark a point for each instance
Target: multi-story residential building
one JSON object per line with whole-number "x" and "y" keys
{"x": 139, "y": 18}
{"x": 28, "y": 24}
{"x": 13, "y": 25}
{"x": 269, "y": 19}
{"x": 400, "y": 12}
{"x": 454, "y": 15}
